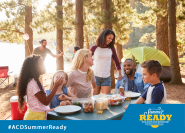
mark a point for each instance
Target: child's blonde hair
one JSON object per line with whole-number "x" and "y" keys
{"x": 78, "y": 61}
{"x": 52, "y": 81}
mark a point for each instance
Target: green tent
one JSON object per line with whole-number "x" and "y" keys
{"x": 145, "y": 53}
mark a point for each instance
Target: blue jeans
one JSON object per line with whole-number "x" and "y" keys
{"x": 103, "y": 81}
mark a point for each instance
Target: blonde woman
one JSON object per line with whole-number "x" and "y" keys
{"x": 62, "y": 92}
{"x": 81, "y": 76}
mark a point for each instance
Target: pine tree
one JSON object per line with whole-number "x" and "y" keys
{"x": 162, "y": 28}
{"x": 59, "y": 39}
{"x": 175, "y": 69}
{"x": 19, "y": 14}
{"x": 158, "y": 16}
{"x": 79, "y": 39}
{"x": 58, "y": 15}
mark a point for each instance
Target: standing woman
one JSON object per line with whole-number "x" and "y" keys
{"x": 103, "y": 52}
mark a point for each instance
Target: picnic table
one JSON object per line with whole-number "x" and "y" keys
{"x": 111, "y": 113}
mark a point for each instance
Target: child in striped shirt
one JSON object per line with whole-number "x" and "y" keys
{"x": 29, "y": 84}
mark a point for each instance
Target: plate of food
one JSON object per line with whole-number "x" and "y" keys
{"x": 68, "y": 109}
{"x": 133, "y": 94}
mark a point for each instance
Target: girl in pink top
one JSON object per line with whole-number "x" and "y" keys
{"x": 103, "y": 52}
{"x": 81, "y": 76}
{"x": 29, "y": 84}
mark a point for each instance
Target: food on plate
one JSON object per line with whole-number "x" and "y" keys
{"x": 63, "y": 103}
{"x": 77, "y": 103}
{"x": 114, "y": 102}
{"x": 105, "y": 102}
{"x": 88, "y": 107}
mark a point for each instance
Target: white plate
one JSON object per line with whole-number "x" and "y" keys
{"x": 135, "y": 94}
{"x": 68, "y": 109}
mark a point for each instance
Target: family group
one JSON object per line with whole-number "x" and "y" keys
{"x": 89, "y": 75}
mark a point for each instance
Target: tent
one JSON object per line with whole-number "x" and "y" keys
{"x": 144, "y": 53}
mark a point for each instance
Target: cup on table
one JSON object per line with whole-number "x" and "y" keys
{"x": 102, "y": 95}
{"x": 99, "y": 106}
{"x": 122, "y": 90}
{"x": 128, "y": 95}
{"x": 115, "y": 91}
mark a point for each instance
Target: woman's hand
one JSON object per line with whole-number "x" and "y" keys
{"x": 58, "y": 82}
{"x": 63, "y": 97}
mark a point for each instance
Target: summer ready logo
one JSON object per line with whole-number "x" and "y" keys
{"x": 155, "y": 117}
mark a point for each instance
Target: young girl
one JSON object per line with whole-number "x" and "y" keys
{"x": 62, "y": 92}
{"x": 29, "y": 84}
{"x": 81, "y": 77}
{"x": 103, "y": 52}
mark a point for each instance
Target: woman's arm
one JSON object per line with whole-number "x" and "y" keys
{"x": 94, "y": 88}
{"x": 92, "y": 49}
{"x": 116, "y": 60}
{"x": 70, "y": 79}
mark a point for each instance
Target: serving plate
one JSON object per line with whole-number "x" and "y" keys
{"x": 68, "y": 109}
{"x": 135, "y": 94}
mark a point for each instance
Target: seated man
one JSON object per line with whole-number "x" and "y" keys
{"x": 156, "y": 92}
{"x": 132, "y": 80}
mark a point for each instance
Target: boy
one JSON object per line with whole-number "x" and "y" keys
{"x": 76, "y": 48}
{"x": 156, "y": 92}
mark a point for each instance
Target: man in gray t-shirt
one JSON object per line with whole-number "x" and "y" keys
{"x": 43, "y": 51}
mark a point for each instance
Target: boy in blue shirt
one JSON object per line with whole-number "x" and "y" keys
{"x": 156, "y": 92}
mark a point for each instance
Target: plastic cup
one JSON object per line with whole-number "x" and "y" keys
{"x": 102, "y": 95}
{"x": 122, "y": 90}
{"x": 115, "y": 92}
{"x": 128, "y": 95}
{"x": 99, "y": 106}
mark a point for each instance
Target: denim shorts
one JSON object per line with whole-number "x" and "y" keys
{"x": 103, "y": 81}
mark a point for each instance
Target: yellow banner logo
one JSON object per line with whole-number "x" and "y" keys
{"x": 155, "y": 117}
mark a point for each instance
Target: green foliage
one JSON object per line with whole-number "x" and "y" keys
{"x": 121, "y": 15}
{"x": 47, "y": 21}
{"x": 12, "y": 29}
{"x": 150, "y": 16}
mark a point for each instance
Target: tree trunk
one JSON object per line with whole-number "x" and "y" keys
{"x": 59, "y": 60}
{"x": 162, "y": 29}
{"x": 108, "y": 25}
{"x": 28, "y": 30}
{"x": 86, "y": 33}
{"x": 86, "y": 38}
{"x": 79, "y": 40}
{"x": 119, "y": 50}
{"x": 175, "y": 69}
{"x": 105, "y": 9}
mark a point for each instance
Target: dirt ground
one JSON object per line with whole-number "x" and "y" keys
{"x": 175, "y": 93}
